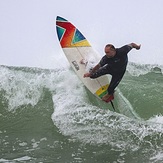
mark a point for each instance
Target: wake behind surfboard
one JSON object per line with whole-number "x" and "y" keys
{"x": 77, "y": 48}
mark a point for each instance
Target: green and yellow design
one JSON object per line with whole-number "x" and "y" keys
{"x": 102, "y": 91}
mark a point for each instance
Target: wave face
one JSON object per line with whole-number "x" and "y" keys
{"x": 49, "y": 116}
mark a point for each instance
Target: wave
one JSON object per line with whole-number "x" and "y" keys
{"x": 77, "y": 115}
{"x": 136, "y": 69}
{"x": 142, "y": 84}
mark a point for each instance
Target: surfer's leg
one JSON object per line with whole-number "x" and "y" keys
{"x": 100, "y": 72}
{"x": 116, "y": 78}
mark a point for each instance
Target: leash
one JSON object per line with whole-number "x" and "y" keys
{"x": 112, "y": 105}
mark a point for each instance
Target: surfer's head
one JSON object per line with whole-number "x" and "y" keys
{"x": 110, "y": 50}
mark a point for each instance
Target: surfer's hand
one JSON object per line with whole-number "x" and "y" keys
{"x": 138, "y": 47}
{"x": 87, "y": 75}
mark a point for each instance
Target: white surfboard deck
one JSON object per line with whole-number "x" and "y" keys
{"x": 76, "y": 48}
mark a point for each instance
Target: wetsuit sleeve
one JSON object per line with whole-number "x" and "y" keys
{"x": 103, "y": 61}
{"x": 125, "y": 49}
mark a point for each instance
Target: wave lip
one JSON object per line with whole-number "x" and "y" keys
{"x": 137, "y": 69}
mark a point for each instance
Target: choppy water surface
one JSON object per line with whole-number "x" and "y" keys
{"x": 49, "y": 116}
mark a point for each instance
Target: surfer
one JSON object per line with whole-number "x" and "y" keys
{"x": 113, "y": 63}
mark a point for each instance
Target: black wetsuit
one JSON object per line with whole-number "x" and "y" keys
{"x": 116, "y": 66}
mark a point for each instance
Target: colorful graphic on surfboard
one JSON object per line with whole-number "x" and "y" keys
{"x": 76, "y": 48}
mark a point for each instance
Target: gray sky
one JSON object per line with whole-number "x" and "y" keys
{"x": 28, "y": 33}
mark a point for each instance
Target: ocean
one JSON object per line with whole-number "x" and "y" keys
{"x": 48, "y": 116}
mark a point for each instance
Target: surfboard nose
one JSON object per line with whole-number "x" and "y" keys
{"x": 59, "y": 18}
{"x": 69, "y": 35}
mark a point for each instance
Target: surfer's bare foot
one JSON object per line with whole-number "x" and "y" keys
{"x": 104, "y": 98}
{"x": 108, "y": 98}
{"x": 83, "y": 61}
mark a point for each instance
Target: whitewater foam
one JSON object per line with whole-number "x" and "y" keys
{"x": 20, "y": 89}
{"x": 90, "y": 124}
{"x": 24, "y": 158}
{"x": 76, "y": 117}
{"x": 136, "y": 69}
{"x": 25, "y": 88}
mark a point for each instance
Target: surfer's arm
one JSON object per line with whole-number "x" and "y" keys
{"x": 92, "y": 71}
{"x": 133, "y": 45}
{"x": 95, "y": 68}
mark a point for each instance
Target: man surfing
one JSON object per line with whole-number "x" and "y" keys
{"x": 113, "y": 63}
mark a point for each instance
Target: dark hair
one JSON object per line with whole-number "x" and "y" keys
{"x": 111, "y": 46}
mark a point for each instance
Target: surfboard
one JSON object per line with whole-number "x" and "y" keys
{"x": 76, "y": 48}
